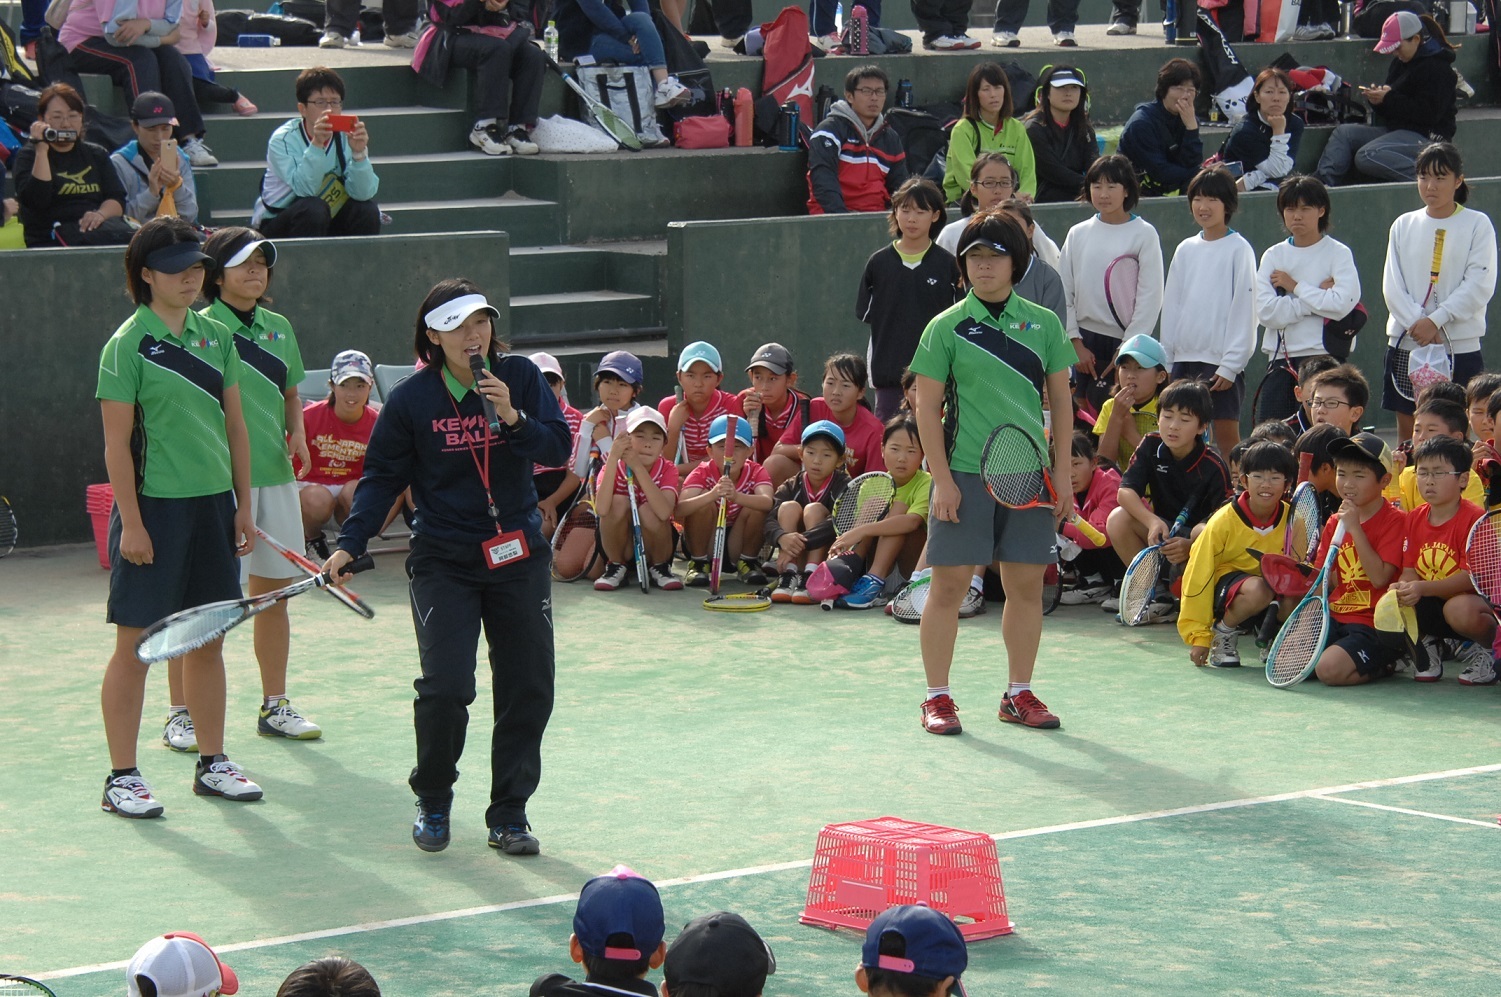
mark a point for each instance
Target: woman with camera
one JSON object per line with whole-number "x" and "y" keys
{"x": 482, "y": 35}
{"x": 67, "y": 188}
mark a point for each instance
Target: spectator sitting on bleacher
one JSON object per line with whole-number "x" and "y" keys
{"x": 156, "y": 174}
{"x": 1161, "y": 138}
{"x": 343, "y": 20}
{"x": 612, "y": 34}
{"x": 200, "y": 31}
{"x": 134, "y": 43}
{"x": 319, "y": 182}
{"x": 68, "y": 192}
{"x": 489, "y": 39}
{"x": 338, "y": 430}
{"x": 855, "y": 159}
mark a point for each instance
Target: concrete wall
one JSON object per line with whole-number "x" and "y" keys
{"x": 741, "y": 283}
{"x": 62, "y": 305}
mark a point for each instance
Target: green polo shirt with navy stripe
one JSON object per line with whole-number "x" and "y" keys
{"x": 272, "y": 364}
{"x": 176, "y": 384}
{"x": 996, "y": 366}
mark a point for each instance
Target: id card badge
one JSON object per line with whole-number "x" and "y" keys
{"x": 504, "y": 549}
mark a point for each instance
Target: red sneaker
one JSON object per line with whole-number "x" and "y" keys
{"x": 1027, "y": 710}
{"x": 941, "y": 716}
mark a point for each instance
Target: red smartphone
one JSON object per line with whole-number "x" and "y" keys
{"x": 342, "y": 122}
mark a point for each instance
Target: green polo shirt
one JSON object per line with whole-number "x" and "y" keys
{"x": 177, "y": 384}
{"x": 271, "y": 364}
{"x": 997, "y": 367}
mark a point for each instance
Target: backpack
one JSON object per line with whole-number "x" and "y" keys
{"x": 924, "y": 135}
{"x": 788, "y": 69}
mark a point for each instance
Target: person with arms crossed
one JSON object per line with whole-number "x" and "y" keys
{"x": 478, "y": 559}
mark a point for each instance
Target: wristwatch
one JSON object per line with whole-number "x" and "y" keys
{"x": 520, "y": 423}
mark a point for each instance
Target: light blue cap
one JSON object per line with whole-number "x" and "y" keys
{"x": 1144, "y": 350}
{"x": 718, "y": 427}
{"x": 825, "y": 428}
{"x": 700, "y": 351}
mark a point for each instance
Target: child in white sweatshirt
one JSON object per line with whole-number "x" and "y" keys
{"x": 1455, "y": 303}
{"x": 1301, "y": 282}
{"x": 1209, "y": 303}
{"x": 1088, "y": 250}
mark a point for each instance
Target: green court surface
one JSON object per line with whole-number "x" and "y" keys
{"x": 1187, "y": 831}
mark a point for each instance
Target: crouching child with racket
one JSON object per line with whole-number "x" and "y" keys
{"x": 1223, "y": 591}
{"x": 897, "y": 539}
{"x": 747, "y": 488}
{"x": 1369, "y": 558}
{"x": 981, "y": 367}
{"x": 635, "y": 461}
{"x": 1095, "y": 568}
{"x": 799, "y": 526}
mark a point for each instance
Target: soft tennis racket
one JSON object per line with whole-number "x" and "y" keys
{"x": 1299, "y": 541}
{"x": 22, "y": 986}
{"x": 1085, "y": 527}
{"x": 1121, "y": 279}
{"x": 637, "y": 542}
{"x": 575, "y": 543}
{"x": 1147, "y": 569}
{"x": 193, "y": 628}
{"x": 1279, "y": 366}
{"x": 611, "y": 123}
{"x": 339, "y": 592}
{"x": 865, "y": 500}
{"x": 721, "y": 524}
{"x": 740, "y": 602}
{"x": 1295, "y": 653}
{"x": 908, "y": 605}
{"x": 1483, "y": 558}
{"x": 9, "y": 531}
{"x": 1402, "y": 358}
{"x": 1015, "y": 469}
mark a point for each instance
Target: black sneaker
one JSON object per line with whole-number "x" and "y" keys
{"x": 430, "y": 830}
{"x": 515, "y": 839}
{"x": 317, "y": 548}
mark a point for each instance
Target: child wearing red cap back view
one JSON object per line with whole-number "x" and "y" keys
{"x": 617, "y": 937}
{"x": 912, "y": 950}
{"x": 178, "y": 964}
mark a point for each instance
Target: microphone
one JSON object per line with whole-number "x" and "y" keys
{"x": 477, "y": 364}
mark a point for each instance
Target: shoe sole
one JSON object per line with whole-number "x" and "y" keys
{"x": 312, "y": 735}
{"x": 1472, "y": 682}
{"x": 956, "y": 729}
{"x": 1054, "y": 724}
{"x": 522, "y": 848}
{"x": 110, "y": 808}
{"x": 1429, "y": 678}
{"x": 182, "y": 751}
{"x": 199, "y": 789}
{"x": 429, "y": 848}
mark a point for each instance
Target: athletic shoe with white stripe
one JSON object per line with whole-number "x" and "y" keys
{"x": 129, "y": 796}
{"x": 224, "y": 778}
{"x": 282, "y": 720}
{"x": 1480, "y": 667}
{"x": 179, "y": 734}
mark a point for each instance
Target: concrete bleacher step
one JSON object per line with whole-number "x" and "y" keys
{"x": 535, "y": 317}
{"x": 433, "y": 129}
{"x": 522, "y": 218}
{"x": 587, "y": 299}
{"x": 402, "y": 178}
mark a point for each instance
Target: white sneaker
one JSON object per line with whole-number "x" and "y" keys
{"x": 129, "y": 796}
{"x": 521, "y": 143}
{"x": 179, "y": 734}
{"x": 1086, "y": 594}
{"x": 1462, "y": 86}
{"x": 612, "y": 579}
{"x": 1162, "y": 611}
{"x": 1224, "y": 651}
{"x": 407, "y": 39}
{"x": 200, "y": 155}
{"x": 1005, "y": 39}
{"x": 1480, "y": 667}
{"x": 1065, "y": 39}
{"x": 1111, "y": 603}
{"x": 1312, "y": 32}
{"x": 332, "y": 39}
{"x": 1118, "y": 28}
{"x": 1430, "y": 664}
{"x": 729, "y": 44}
{"x": 489, "y": 140}
{"x": 282, "y": 720}
{"x": 947, "y": 43}
{"x": 224, "y": 778}
{"x": 828, "y": 42}
{"x": 662, "y": 577}
{"x": 671, "y": 93}
{"x": 973, "y": 604}
{"x": 966, "y": 42}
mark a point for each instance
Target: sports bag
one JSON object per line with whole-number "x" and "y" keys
{"x": 703, "y": 131}
{"x": 628, "y": 91}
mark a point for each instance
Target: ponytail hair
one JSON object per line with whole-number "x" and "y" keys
{"x": 1435, "y": 31}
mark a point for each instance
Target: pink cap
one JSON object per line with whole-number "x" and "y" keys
{"x": 1396, "y": 29}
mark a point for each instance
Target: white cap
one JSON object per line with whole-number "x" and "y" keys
{"x": 180, "y": 964}
{"x": 547, "y": 363}
{"x": 641, "y": 415}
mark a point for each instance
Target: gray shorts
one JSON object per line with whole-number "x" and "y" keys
{"x": 989, "y": 532}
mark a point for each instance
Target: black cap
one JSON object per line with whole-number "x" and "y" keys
{"x": 722, "y": 951}
{"x": 1367, "y": 447}
{"x": 152, "y": 108}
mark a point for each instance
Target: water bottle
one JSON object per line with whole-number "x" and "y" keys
{"x": 744, "y": 116}
{"x": 904, "y": 94}
{"x": 727, "y": 107}
{"x": 550, "y": 40}
{"x": 859, "y": 30}
{"x": 788, "y": 126}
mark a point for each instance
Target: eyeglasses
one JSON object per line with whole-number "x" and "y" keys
{"x": 1436, "y": 475}
{"x": 332, "y": 105}
{"x": 1181, "y": 88}
{"x": 1327, "y": 403}
{"x": 994, "y": 184}
{"x": 871, "y": 91}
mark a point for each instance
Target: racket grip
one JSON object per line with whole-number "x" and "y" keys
{"x": 1085, "y": 527}
{"x": 362, "y": 563}
{"x": 1305, "y": 466}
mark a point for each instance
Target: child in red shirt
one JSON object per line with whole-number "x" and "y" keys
{"x": 1097, "y": 571}
{"x": 338, "y": 431}
{"x": 749, "y": 491}
{"x": 1368, "y": 561}
{"x": 700, "y": 372}
{"x": 772, "y": 400}
{"x": 844, "y": 382}
{"x": 655, "y": 482}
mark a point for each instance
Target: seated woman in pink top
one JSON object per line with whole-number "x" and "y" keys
{"x": 199, "y": 32}
{"x": 134, "y": 43}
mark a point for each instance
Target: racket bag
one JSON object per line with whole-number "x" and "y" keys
{"x": 787, "y": 71}
{"x": 1228, "y": 79}
{"x": 628, "y": 91}
{"x": 1429, "y": 365}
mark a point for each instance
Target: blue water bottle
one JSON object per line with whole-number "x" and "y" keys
{"x": 791, "y": 115}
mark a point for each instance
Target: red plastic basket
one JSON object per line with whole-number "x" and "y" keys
{"x": 99, "y": 500}
{"x": 863, "y": 867}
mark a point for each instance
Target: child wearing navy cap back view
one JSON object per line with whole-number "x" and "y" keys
{"x": 912, "y": 950}
{"x": 617, "y": 938}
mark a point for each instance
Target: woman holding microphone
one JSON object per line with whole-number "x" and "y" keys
{"x": 463, "y": 433}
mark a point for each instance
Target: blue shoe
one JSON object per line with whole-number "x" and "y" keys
{"x": 430, "y": 830}
{"x": 865, "y": 593}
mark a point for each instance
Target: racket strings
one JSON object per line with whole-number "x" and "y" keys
{"x": 1013, "y": 469}
{"x": 1140, "y": 585}
{"x": 9, "y": 531}
{"x": 1483, "y": 555}
{"x": 1303, "y": 524}
{"x": 190, "y": 631}
{"x": 1302, "y": 637}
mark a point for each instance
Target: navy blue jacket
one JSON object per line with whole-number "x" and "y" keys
{"x": 580, "y": 20}
{"x": 1165, "y": 153}
{"x": 420, "y": 442}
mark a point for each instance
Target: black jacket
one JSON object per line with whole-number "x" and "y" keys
{"x": 1165, "y": 153}
{"x": 1061, "y": 157}
{"x": 898, "y": 303}
{"x": 1421, "y": 98}
{"x": 1250, "y": 142}
{"x": 83, "y": 178}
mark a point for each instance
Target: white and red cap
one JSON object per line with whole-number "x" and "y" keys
{"x": 180, "y": 964}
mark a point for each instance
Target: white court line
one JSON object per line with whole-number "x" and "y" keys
{"x": 761, "y": 870}
{"x": 1415, "y": 813}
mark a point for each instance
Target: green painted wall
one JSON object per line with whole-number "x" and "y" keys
{"x": 741, "y": 283}
{"x": 62, "y": 305}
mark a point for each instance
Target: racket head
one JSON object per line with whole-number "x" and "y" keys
{"x": 1015, "y": 470}
{"x": 350, "y": 599}
{"x": 1121, "y": 278}
{"x": 191, "y": 629}
{"x": 23, "y": 986}
{"x": 1401, "y": 369}
{"x": 9, "y": 531}
{"x": 1140, "y": 584}
{"x": 908, "y": 605}
{"x": 575, "y": 543}
{"x": 741, "y": 602}
{"x": 865, "y": 500}
{"x": 1483, "y": 556}
{"x": 1295, "y": 653}
{"x": 1303, "y": 523}
{"x": 1052, "y": 587}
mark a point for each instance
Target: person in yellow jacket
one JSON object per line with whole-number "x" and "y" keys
{"x": 1223, "y": 591}
{"x": 989, "y": 125}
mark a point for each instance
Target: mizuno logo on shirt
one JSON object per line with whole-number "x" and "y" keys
{"x": 1161, "y": 468}
{"x": 158, "y": 350}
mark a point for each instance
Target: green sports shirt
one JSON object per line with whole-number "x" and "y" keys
{"x": 176, "y": 384}
{"x": 995, "y": 369}
{"x": 272, "y": 364}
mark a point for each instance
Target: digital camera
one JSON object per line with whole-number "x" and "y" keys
{"x": 59, "y": 135}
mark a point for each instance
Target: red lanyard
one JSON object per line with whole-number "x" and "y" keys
{"x": 484, "y": 471}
